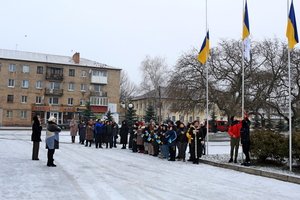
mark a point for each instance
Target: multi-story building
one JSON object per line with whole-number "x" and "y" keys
{"x": 44, "y": 84}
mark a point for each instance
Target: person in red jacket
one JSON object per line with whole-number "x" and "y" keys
{"x": 234, "y": 133}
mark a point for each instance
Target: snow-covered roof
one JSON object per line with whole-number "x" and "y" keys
{"x": 49, "y": 58}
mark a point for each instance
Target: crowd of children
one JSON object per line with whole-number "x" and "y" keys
{"x": 168, "y": 141}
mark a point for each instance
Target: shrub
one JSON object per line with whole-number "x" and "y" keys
{"x": 269, "y": 144}
{"x": 296, "y": 145}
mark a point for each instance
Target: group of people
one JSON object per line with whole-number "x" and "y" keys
{"x": 164, "y": 140}
{"x": 100, "y": 132}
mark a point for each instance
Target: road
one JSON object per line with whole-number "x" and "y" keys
{"x": 90, "y": 173}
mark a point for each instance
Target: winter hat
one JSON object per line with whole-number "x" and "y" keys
{"x": 52, "y": 119}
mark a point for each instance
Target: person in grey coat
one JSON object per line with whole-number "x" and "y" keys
{"x": 52, "y": 140}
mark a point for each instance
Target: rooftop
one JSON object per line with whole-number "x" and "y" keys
{"x": 49, "y": 58}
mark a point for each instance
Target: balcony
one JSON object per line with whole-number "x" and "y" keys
{"x": 98, "y": 94}
{"x": 99, "y": 79}
{"x": 54, "y": 73}
{"x": 54, "y": 92}
{"x": 56, "y": 77}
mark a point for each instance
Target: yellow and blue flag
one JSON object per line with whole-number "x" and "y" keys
{"x": 246, "y": 34}
{"x": 204, "y": 51}
{"x": 291, "y": 31}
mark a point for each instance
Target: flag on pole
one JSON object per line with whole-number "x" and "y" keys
{"x": 291, "y": 31}
{"x": 246, "y": 34}
{"x": 204, "y": 51}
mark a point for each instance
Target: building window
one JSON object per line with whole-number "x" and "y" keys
{"x": 25, "y": 84}
{"x": 38, "y": 99}
{"x": 10, "y": 98}
{"x": 99, "y": 101}
{"x": 82, "y": 87}
{"x": 70, "y": 101}
{"x": 71, "y": 72}
{"x": 53, "y": 100}
{"x": 11, "y": 67}
{"x": 83, "y": 73}
{"x": 191, "y": 119}
{"x": 25, "y": 69}
{"x": 82, "y": 102}
{"x": 71, "y": 87}
{"x": 97, "y": 88}
{"x": 11, "y": 83}
{"x": 23, "y": 114}
{"x": 23, "y": 99}
{"x": 39, "y": 69}
{"x": 100, "y": 73}
{"x": 38, "y": 84}
{"x": 9, "y": 113}
{"x": 54, "y": 85}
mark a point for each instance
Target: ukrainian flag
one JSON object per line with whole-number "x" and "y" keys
{"x": 204, "y": 51}
{"x": 291, "y": 31}
{"x": 246, "y": 34}
{"x": 246, "y": 27}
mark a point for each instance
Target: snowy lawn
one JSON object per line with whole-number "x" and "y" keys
{"x": 90, "y": 173}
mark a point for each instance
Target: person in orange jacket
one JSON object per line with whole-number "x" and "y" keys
{"x": 234, "y": 133}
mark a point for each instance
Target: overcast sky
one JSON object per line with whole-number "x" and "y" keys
{"x": 121, "y": 33}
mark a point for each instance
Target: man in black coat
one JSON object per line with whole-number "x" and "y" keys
{"x": 124, "y": 134}
{"x": 36, "y": 137}
{"x": 245, "y": 140}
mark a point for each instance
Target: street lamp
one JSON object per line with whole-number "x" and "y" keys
{"x": 130, "y": 105}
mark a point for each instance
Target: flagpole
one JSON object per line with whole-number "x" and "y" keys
{"x": 206, "y": 65}
{"x": 243, "y": 75}
{"x": 243, "y": 64}
{"x": 290, "y": 103}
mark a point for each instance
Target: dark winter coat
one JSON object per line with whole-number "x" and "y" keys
{"x": 245, "y": 132}
{"x": 171, "y": 137}
{"x": 108, "y": 133}
{"x": 36, "y": 132}
{"x": 82, "y": 130}
{"x": 181, "y": 135}
{"x": 115, "y": 129}
{"x": 197, "y": 135}
{"x": 124, "y": 133}
{"x": 99, "y": 128}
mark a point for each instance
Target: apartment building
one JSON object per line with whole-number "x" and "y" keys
{"x": 44, "y": 84}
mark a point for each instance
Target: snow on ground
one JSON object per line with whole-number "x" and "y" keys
{"x": 90, "y": 173}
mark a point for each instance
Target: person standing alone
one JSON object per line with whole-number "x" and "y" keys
{"x": 52, "y": 140}
{"x": 36, "y": 137}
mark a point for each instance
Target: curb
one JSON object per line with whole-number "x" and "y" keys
{"x": 257, "y": 172}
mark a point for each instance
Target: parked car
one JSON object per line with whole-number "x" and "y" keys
{"x": 219, "y": 125}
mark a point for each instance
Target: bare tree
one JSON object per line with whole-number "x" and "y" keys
{"x": 128, "y": 88}
{"x": 186, "y": 88}
{"x": 155, "y": 71}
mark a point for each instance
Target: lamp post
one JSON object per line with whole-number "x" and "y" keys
{"x": 129, "y": 118}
